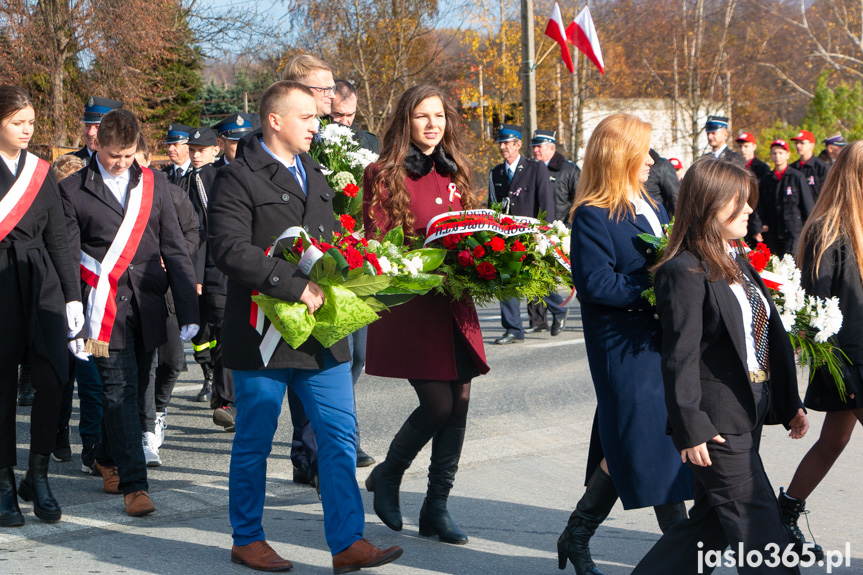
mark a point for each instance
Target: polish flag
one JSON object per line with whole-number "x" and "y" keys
{"x": 556, "y": 32}
{"x": 583, "y": 36}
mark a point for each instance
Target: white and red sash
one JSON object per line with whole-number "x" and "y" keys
{"x": 104, "y": 276}
{"x": 20, "y": 196}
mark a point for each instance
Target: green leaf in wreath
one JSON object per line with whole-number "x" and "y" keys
{"x": 396, "y": 236}
{"x": 431, "y": 258}
{"x": 366, "y": 285}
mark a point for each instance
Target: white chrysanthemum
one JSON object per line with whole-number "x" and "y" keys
{"x": 554, "y": 240}
{"x": 337, "y": 135}
{"x": 565, "y": 247}
{"x": 414, "y": 265}
{"x": 386, "y": 266}
{"x": 542, "y": 244}
{"x": 795, "y": 297}
{"x": 560, "y": 228}
{"x": 361, "y": 158}
{"x": 787, "y": 320}
{"x": 826, "y": 317}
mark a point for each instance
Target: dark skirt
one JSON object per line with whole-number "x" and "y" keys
{"x": 822, "y": 394}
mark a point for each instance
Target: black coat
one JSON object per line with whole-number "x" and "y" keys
{"x": 784, "y": 204}
{"x": 93, "y": 217}
{"x": 254, "y": 199}
{"x": 213, "y": 280}
{"x": 728, "y": 155}
{"x": 36, "y": 275}
{"x": 759, "y": 168}
{"x": 815, "y": 172}
{"x": 83, "y": 153}
{"x": 563, "y": 176}
{"x": 530, "y": 191}
{"x": 707, "y": 388}
{"x": 662, "y": 183}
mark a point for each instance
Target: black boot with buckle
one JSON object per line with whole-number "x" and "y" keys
{"x": 594, "y": 506}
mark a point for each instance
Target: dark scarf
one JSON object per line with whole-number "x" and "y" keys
{"x": 418, "y": 164}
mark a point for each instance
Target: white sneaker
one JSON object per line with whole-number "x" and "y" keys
{"x": 151, "y": 450}
{"x": 161, "y": 426}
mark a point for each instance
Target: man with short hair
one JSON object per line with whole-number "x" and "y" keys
{"x": 813, "y": 169}
{"x": 276, "y": 185}
{"x": 176, "y": 141}
{"x": 230, "y": 131}
{"x": 94, "y": 110}
{"x": 523, "y": 188}
{"x": 784, "y": 203}
{"x": 746, "y": 146}
{"x": 316, "y": 75}
{"x": 832, "y": 146}
{"x": 716, "y": 128}
{"x": 344, "y": 111}
{"x": 120, "y": 222}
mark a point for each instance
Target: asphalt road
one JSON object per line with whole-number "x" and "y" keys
{"x": 521, "y": 474}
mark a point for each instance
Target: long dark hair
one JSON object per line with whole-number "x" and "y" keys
{"x": 12, "y": 99}
{"x": 389, "y": 195}
{"x": 707, "y": 188}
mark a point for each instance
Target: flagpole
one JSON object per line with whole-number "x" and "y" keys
{"x": 528, "y": 71}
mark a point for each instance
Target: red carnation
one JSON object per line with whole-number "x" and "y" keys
{"x": 354, "y": 258}
{"x": 465, "y": 259}
{"x": 298, "y": 245}
{"x": 351, "y": 190}
{"x": 496, "y": 244}
{"x": 478, "y": 251}
{"x": 450, "y": 242}
{"x": 760, "y": 257}
{"x": 350, "y": 241}
{"x": 373, "y": 259}
{"x": 507, "y": 221}
{"x": 347, "y": 222}
{"x": 518, "y": 247}
{"x": 365, "y": 242}
{"x": 486, "y": 271}
{"x": 324, "y": 247}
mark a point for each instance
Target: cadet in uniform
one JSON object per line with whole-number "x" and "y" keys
{"x": 94, "y": 111}
{"x": 717, "y": 136}
{"x": 832, "y": 146}
{"x": 746, "y": 145}
{"x": 230, "y": 131}
{"x": 813, "y": 169}
{"x": 523, "y": 188}
{"x": 176, "y": 140}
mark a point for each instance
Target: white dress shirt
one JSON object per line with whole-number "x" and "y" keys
{"x": 12, "y": 164}
{"x": 644, "y": 209}
{"x": 717, "y": 153}
{"x": 284, "y": 162}
{"x": 746, "y": 311}
{"x": 116, "y": 184}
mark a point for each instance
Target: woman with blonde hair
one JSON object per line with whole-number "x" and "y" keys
{"x": 831, "y": 257}
{"x": 630, "y": 455}
{"x": 433, "y": 342}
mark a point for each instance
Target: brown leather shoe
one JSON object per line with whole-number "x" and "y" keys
{"x": 259, "y": 555}
{"x": 363, "y": 554}
{"x": 138, "y": 503}
{"x": 110, "y": 477}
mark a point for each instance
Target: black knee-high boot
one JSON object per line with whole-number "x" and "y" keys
{"x": 591, "y": 510}
{"x": 10, "y": 513}
{"x": 34, "y": 487}
{"x": 434, "y": 517}
{"x": 668, "y": 514}
{"x": 386, "y": 478}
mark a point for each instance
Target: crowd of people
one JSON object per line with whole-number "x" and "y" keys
{"x": 107, "y": 267}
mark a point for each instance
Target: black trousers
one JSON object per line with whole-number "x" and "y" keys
{"x": 223, "y": 379}
{"x": 538, "y": 313}
{"x": 304, "y": 445}
{"x": 734, "y": 505}
{"x": 123, "y": 373}
{"x": 168, "y": 362}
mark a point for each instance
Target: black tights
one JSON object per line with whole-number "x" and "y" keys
{"x": 442, "y": 404}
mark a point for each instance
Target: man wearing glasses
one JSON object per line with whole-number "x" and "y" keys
{"x": 317, "y": 75}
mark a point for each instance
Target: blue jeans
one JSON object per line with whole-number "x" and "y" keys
{"x": 328, "y": 400}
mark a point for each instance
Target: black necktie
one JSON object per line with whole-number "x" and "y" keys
{"x": 759, "y": 323}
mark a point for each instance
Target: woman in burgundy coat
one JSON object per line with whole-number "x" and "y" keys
{"x": 433, "y": 342}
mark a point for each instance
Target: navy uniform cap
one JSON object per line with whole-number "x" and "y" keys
{"x": 543, "y": 137}
{"x": 178, "y": 133}
{"x": 96, "y": 108}
{"x": 508, "y": 132}
{"x": 715, "y": 123}
{"x": 238, "y": 125}
{"x": 835, "y": 140}
{"x": 203, "y": 136}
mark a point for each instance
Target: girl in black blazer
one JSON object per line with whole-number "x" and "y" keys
{"x": 728, "y": 369}
{"x": 831, "y": 257}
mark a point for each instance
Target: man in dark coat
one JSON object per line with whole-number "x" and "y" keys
{"x": 275, "y": 186}
{"x": 344, "y": 111}
{"x": 813, "y": 169}
{"x": 94, "y": 111}
{"x": 121, "y": 224}
{"x": 230, "y": 131}
{"x": 563, "y": 176}
{"x": 832, "y": 146}
{"x": 177, "y": 143}
{"x": 747, "y": 145}
{"x": 662, "y": 183}
{"x": 523, "y": 188}
{"x": 716, "y": 128}
{"x": 784, "y": 203}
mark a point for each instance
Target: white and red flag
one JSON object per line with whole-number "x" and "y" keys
{"x": 556, "y": 32}
{"x": 582, "y": 34}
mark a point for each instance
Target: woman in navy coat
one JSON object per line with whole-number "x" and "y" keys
{"x": 630, "y": 455}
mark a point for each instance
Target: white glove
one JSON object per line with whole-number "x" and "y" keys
{"x": 76, "y": 346}
{"x": 74, "y": 317}
{"x": 189, "y": 331}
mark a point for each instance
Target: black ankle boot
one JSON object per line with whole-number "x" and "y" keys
{"x": 386, "y": 478}
{"x": 63, "y": 447}
{"x": 434, "y": 516}
{"x": 668, "y": 514}
{"x": 34, "y": 487}
{"x": 10, "y": 513}
{"x": 25, "y": 385}
{"x": 790, "y": 510}
{"x": 594, "y": 506}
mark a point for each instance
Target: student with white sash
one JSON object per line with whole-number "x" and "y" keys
{"x": 40, "y": 303}
{"x": 121, "y": 222}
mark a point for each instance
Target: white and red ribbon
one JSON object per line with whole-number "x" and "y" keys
{"x": 104, "y": 276}
{"x": 23, "y": 192}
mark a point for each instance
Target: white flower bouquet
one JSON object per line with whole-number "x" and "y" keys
{"x": 345, "y": 161}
